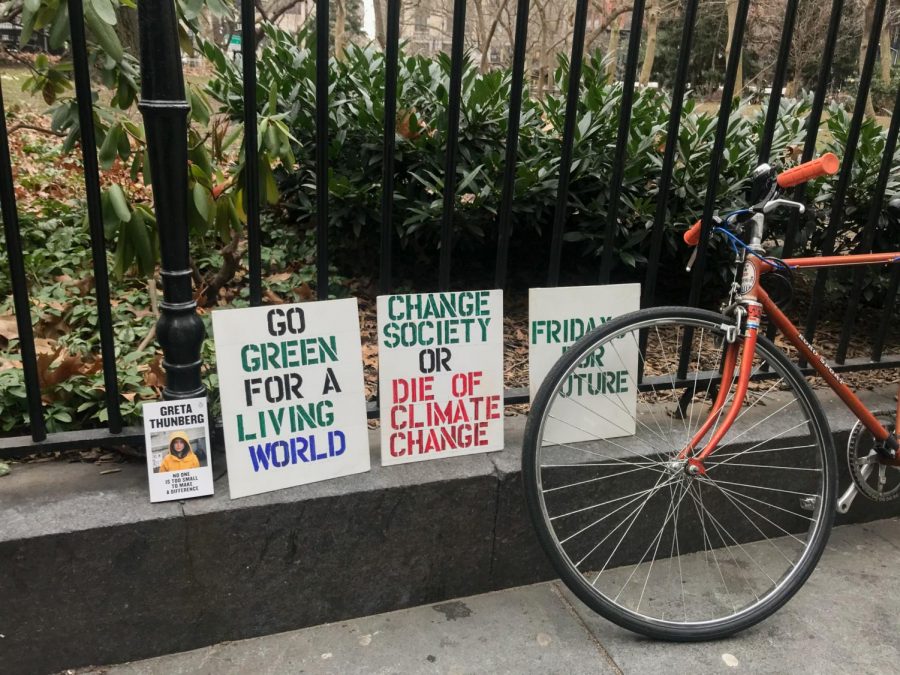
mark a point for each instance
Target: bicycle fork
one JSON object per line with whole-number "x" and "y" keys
{"x": 715, "y": 422}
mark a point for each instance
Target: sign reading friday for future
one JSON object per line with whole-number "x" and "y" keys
{"x": 293, "y": 401}
{"x": 598, "y": 398}
{"x": 440, "y": 374}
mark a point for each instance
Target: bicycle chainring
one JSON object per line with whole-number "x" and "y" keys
{"x": 875, "y": 479}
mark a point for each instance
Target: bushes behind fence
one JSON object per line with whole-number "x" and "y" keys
{"x": 286, "y": 73}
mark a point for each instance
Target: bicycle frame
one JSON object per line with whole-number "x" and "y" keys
{"x": 756, "y": 302}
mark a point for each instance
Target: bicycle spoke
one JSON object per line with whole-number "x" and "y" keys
{"x": 719, "y": 529}
{"x": 610, "y": 501}
{"x": 713, "y": 551}
{"x": 597, "y": 454}
{"x": 734, "y": 500}
{"x": 635, "y": 512}
{"x": 753, "y": 447}
{"x": 606, "y": 419}
{"x": 765, "y": 503}
{"x": 594, "y": 480}
{"x": 739, "y": 545}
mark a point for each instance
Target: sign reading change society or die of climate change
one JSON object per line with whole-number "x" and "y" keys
{"x": 440, "y": 374}
{"x": 293, "y": 400}
{"x": 598, "y": 399}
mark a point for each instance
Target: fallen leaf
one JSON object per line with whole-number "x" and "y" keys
{"x": 304, "y": 292}
{"x": 8, "y": 327}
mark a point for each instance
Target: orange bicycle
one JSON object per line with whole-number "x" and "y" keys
{"x": 696, "y": 497}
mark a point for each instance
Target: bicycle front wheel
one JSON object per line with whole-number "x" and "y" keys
{"x": 631, "y": 532}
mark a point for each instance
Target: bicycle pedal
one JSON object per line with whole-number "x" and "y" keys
{"x": 809, "y": 503}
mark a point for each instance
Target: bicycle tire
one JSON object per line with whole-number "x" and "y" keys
{"x": 821, "y": 473}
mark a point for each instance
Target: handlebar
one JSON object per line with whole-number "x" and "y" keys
{"x": 692, "y": 236}
{"x": 825, "y": 165}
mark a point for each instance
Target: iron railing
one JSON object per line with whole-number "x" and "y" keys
{"x": 164, "y": 111}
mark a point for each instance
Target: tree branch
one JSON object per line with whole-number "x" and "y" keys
{"x": 31, "y": 127}
{"x": 613, "y": 15}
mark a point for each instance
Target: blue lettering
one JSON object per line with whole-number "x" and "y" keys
{"x": 333, "y": 438}
{"x": 258, "y": 456}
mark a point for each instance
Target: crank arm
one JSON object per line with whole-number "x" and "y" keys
{"x": 843, "y": 504}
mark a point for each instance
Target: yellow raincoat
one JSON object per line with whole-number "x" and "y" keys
{"x": 179, "y": 461}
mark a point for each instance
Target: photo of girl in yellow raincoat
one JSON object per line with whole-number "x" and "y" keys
{"x": 181, "y": 456}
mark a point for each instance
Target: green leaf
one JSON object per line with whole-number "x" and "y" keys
{"x": 200, "y": 110}
{"x": 105, "y": 10}
{"x": 111, "y": 221}
{"x": 59, "y": 31}
{"x": 124, "y": 252}
{"x": 145, "y": 165}
{"x": 104, "y": 34}
{"x": 119, "y": 202}
{"x": 143, "y": 249}
{"x": 124, "y": 145}
{"x": 110, "y": 147}
{"x": 201, "y": 201}
{"x": 223, "y": 217}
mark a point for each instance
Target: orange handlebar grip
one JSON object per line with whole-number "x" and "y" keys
{"x": 825, "y": 165}
{"x": 692, "y": 236}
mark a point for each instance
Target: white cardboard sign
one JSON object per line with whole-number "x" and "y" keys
{"x": 440, "y": 374}
{"x": 293, "y": 399}
{"x": 176, "y": 435}
{"x": 601, "y": 394}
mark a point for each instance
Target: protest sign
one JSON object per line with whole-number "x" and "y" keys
{"x": 600, "y": 396}
{"x": 440, "y": 374}
{"x": 293, "y": 401}
{"x": 176, "y": 435}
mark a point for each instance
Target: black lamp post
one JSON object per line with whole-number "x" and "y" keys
{"x": 179, "y": 330}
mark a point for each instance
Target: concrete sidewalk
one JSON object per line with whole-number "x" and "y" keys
{"x": 846, "y": 619}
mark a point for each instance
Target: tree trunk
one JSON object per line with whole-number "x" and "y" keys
{"x": 489, "y": 35}
{"x": 886, "y": 53}
{"x": 379, "y": 22}
{"x": 732, "y": 7}
{"x": 612, "y": 51}
{"x": 650, "y": 51}
{"x": 864, "y": 47}
{"x": 542, "y": 61}
{"x": 481, "y": 34}
{"x": 340, "y": 28}
{"x": 127, "y": 30}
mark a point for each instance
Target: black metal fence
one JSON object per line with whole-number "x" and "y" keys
{"x": 165, "y": 110}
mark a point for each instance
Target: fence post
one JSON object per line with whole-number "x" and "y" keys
{"x": 179, "y": 330}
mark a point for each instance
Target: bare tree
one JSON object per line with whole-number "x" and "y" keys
{"x": 272, "y": 10}
{"x": 612, "y": 49}
{"x": 340, "y": 28}
{"x": 379, "y": 22}
{"x": 864, "y": 47}
{"x": 488, "y": 35}
{"x": 652, "y": 13}
{"x": 731, "y": 7}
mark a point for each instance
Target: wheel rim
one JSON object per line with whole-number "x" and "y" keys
{"x": 648, "y": 542}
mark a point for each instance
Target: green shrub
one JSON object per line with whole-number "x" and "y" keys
{"x": 286, "y": 74}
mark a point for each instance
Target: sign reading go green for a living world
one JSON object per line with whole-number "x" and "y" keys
{"x": 598, "y": 399}
{"x": 440, "y": 374}
{"x": 293, "y": 400}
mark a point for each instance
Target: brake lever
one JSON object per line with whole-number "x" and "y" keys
{"x": 691, "y": 260}
{"x": 778, "y": 203}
